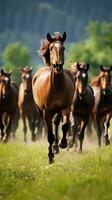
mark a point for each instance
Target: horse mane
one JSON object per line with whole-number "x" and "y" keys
{"x": 73, "y": 70}
{"x": 96, "y": 80}
{"x": 44, "y": 52}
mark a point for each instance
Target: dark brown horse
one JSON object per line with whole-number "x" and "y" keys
{"x": 53, "y": 89}
{"x": 102, "y": 111}
{"x": 26, "y": 104}
{"x": 82, "y": 105}
{"x": 8, "y": 104}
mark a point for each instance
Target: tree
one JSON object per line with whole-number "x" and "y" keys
{"x": 14, "y": 57}
{"x": 95, "y": 50}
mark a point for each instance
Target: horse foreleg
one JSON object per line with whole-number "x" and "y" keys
{"x": 32, "y": 127}
{"x": 99, "y": 132}
{"x": 50, "y": 136}
{"x": 56, "y": 121}
{"x": 2, "y": 129}
{"x": 8, "y": 128}
{"x": 106, "y": 126}
{"x": 81, "y": 135}
{"x": 23, "y": 116}
{"x": 74, "y": 129}
{"x": 65, "y": 127}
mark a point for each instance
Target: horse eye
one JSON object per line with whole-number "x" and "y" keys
{"x": 23, "y": 77}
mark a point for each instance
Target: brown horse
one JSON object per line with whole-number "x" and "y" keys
{"x": 53, "y": 90}
{"x": 82, "y": 105}
{"x": 102, "y": 111}
{"x": 26, "y": 103}
{"x": 8, "y": 104}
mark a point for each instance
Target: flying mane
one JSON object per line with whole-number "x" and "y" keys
{"x": 96, "y": 81}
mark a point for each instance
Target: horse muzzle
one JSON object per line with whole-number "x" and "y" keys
{"x": 104, "y": 92}
{"x": 82, "y": 95}
{"x": 58, "y": 67}
{"x": 27, "y": 92}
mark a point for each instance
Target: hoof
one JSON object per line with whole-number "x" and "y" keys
{"x": 33, "y": 139}
{"x": 5, "y": 140}
{"x": 51, "y": 158}
{"x": 79, "y": 151}
{"x": 63, "y": 144}
{"x": 107, "y": 142}
{"x": 55, "y": 149}
{"x": 70, "y": 143}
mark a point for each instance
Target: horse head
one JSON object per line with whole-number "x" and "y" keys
{"x": 105, "y": 78}
{"x": 5, "y": 84}
{"x": 27, "y": 79}
{"x": 82, "y": 79}
{"x": 56, "y": 49}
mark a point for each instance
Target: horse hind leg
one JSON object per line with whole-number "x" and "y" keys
{"x": 106, "y": 133}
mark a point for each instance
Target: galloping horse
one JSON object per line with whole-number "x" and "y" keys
{"x": 8, "y": 104}
{"x": 53, "y": 90}
{"x": 26, "y": 103}
{"x": 102, "y": 111}
{"x": 82, "y": 105}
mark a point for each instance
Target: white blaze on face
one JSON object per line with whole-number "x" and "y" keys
{"x": 27, "y": 76}
{"x": 57, "y": 44}
{"x": 6, "y": 79}
{"x": 83, "y": 75}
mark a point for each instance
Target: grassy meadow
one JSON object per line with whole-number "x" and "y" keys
{"x": 26, "y": 175}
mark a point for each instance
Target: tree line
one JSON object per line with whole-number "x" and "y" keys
{"x": 95, "y": 50}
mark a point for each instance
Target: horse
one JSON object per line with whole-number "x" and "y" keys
{"x": 102, "y": 110}
{"x": 26, "y": 104}
{"x": 8, "y": 105}
{"x": 82, "y": 105}
{"x": 53, "y": 91}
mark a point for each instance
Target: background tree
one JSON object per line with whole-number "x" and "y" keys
{"x": 96, "y": 50}
{"x": 14, "y": 57}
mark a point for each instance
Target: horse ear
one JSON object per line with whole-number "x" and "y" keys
{"x": 87, "y": 66}
{"x": 101, "y": 68}
{"x": 49, "y": 38}
{"x": 30, "y": 69}
{"x": 10, "y": 73}
{"x": 78, "y": 66}
{"x": 64, "y": 37}
{"x": 111, "y": 68}
{"x": 2, "y": 72}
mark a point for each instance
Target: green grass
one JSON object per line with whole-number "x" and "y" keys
{"x": 26, "y": 175}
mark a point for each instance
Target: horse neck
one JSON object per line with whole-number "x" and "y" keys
{"x": 56, "y": 77}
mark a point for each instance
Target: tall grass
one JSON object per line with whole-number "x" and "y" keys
{"x": 26, "y": 175}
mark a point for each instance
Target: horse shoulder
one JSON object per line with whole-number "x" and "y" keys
{"x": 41, "y": 86}
{"x": 21, "y": 95}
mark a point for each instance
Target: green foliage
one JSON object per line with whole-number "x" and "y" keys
{"x": 96, "y": 50}
{"x": 14, "y": 57}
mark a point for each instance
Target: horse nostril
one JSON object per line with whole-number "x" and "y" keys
{"x": 104, "y": 92}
